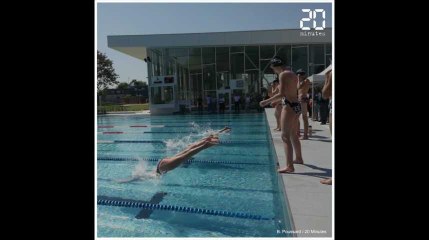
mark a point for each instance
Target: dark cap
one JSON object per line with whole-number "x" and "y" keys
{"x": 300, "y": 72}
{"x": 277, "y": 62}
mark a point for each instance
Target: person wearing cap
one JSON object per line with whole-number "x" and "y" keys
{"x": 277, "y": 105}
{"x": 288, "y": 93}
{"x": 303, "y": 88}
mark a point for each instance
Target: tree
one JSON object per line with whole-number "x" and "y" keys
{"x": 106, "y": 75}
{"x": 122, "y": 86}
{"x": 137, "y": 84}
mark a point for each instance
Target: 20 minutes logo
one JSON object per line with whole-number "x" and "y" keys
{"x": 316, "y": 20}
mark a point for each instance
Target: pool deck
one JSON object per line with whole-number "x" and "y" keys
{"x": 310, "y": 202}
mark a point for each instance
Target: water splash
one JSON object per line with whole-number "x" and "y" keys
{"x": 177, "y": 144}
{"x": 143, "y": 171}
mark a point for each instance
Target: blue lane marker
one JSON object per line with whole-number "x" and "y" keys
{"x": 187, "y": 161}
{"x": 136, "y": 204}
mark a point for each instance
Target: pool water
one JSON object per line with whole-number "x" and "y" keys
{"x": 237, "y": 176}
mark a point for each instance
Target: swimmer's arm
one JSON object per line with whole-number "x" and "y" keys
{"x": 283, "y": 81}
{"x": 226, "y": 128}
{"x": 275, "y": 98}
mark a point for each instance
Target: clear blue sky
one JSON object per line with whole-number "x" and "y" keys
{"x": 156, "y": 18}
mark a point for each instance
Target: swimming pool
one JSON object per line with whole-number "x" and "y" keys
{"x": 230, "y": 190}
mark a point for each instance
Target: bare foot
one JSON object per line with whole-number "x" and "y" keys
{"x": 300, "y": 161}
{"x": 212, "y": 142}
{"x": 304, "y": 138}
{"x": 326, "y": 181}
{"x": 279, "y": 129}
{"x": 276, "y": 129}
{"x": 286, "y": 170}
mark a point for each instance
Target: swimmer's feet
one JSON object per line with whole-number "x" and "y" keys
{"x": 298, "y": 161}
{"x": 286, "y": 170}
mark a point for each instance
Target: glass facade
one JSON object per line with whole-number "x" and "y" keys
{"x": 225, "y": 70}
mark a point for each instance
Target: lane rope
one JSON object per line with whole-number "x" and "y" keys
{"x": 164, "y": 207}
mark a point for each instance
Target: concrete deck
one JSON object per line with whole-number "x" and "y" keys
{"x": 310, "y": 202}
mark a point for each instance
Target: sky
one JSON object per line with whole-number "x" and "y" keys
{"x": 162, "y": 18}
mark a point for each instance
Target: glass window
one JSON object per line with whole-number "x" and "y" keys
{"x": 208, "y": 55}
{"x": 317, "y": 53}
{"x": 181, "y": 52}
{"x": 237, "y": 49}
{"x": 237, "y": 65}
{"x": 328, "y": 48}
{"x": 209, "y": 77}
{"x": 316, "y": 68}
{"x": 251, "y": 84}
{"x": 181, "y": 56}
{"x": 156, "y": 96}
{"x": 328, "y": 59}
{"x": 267, "y": 52}
{"x": 156, "y": 63}
{"x": 284, "y": 52}
{"x": 168, "y": 94}
{"x": 195, "y": 60}
{"x": 162, "y": 95}
{"x": 222, "y": 59}
{"x": 299, "y": 58}
{"x": 328, "y": 54}
{"x": 252, "y": 57}
{"x": 222, "y": 80}
{"x": 159, "y": 64}
{"x": 195, "y": 85}
{"x": 265, "y": 67}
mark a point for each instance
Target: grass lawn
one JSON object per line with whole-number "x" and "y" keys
{"x": 124, "y": 107}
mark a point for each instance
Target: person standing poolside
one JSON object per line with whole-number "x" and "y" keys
{"x": 324, "y": 111}
{"x": 303, "y": 88}
{"x": 247, "y": 102}
{"x": 288, "y": 93}
{"x": 200, "y": 104}
{"x": 237, "y": 103}
{"x": 327, "y": 94}
{"x": 209, "y": 103}
{"x": 222, "y": 104}
{"x": 317, "y": 97}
